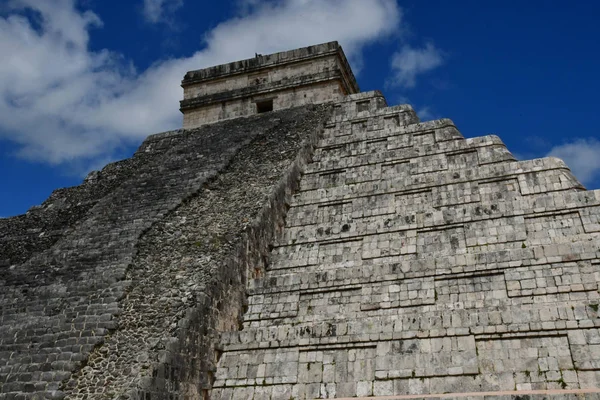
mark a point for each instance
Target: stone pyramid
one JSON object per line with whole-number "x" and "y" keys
{"x": 299, "y": 239}
{"x": 414, "y": 261}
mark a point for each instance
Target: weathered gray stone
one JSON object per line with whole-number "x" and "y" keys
{"x": 309, "y": 75}
{"x": 142, "y": 285}
{"x": 316, "y": 252}
{"x": 461, "y": 268}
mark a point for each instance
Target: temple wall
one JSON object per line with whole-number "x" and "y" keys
{"x": 309, "y": 75}
{"x": 316, "y": 93}
{"x": 262, "y": 77}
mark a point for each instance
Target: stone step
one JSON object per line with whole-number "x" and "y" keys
{"x": 390, "y": 364}
{"x": 429, "y": 133}
{"x": 489, "y": 149}
{"x": 534, "y": 176}
{"x": 538, "y": 320}
{"x": 304, "y": 276}
{"x": 482, "y": 226}
{"x": 361, "y": 106}
{"x": 462, "y": 202}
{"x": 494, "y": 290}
{"x": 286, "y": 391}
{"x": 378, "y": 164}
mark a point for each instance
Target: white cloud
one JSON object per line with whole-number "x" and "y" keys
{"x": 61, "y": 102}
{"x": 159, "y": 10}
{"x": 583, "y": 158}
{"x": 425, "y": 114}
{"x": 282, "y": 25}
{"x": 410, "y": 62}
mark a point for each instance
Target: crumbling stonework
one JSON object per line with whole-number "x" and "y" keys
{"x": 336, "y": 251}
{"x": 87, "y": 318}
{"x": 413, "y": 262}
{"x": 309, "y": 75}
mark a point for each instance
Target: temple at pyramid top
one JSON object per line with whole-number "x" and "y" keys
{"x": 309, "y": 75}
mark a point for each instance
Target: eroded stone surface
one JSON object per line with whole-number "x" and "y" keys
{"x": 410, "y": 261}
{"x": 102, "y": 313}
{"x": 415, "y": 261}
{"x": 309, "y": 75}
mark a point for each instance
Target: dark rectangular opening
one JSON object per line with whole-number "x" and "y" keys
{"x": 264, "y": 106}
{"x": 362, "y": 105}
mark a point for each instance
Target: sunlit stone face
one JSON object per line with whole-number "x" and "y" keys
{"x": 310, "y": 75}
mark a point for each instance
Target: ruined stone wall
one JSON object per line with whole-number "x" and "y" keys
{"x": 268, "y": 76}
{"x": 310, "y": 75}
{"x": 315, "y": 93}
{"x": 261, "y": 62}
{"x": 413, "y": 262}
{"x": 126, "y": 301}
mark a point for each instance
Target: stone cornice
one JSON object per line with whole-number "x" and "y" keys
{"x": 261, "y": 62}
{"x": 271, "y": 87}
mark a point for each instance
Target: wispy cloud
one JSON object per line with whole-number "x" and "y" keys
{"x": 160, "y": 10}
{"x": 583, "y": 158}
{"x": 426, "y": 114}
{"x": 411, "y": 62}
{"x": 61, "y": 102}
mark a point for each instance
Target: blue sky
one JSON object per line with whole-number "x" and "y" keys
{"x": 83, "y": 82}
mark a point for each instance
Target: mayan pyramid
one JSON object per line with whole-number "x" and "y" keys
{"x": 299, "y": 239}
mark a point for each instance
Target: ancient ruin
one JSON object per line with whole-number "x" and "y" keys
{"x": 310, "y": 75}
{"x": 299, "y": 239}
